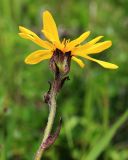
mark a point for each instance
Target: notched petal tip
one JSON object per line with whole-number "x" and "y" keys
{"x": 84, "y": 36}
{"x": 21, "y": 35}
{"x": 115, "y": 66}
{"x": 28, "y": 61}
{"x": 109, "y": 43}
{"x": 110, "y": 66}
{"x": 20, "y": 28}
{"x": 47, "y": 13}
{"x": 82, "y": 65}
{"x": 88, "y": 32}
{"x": 100, "y": 36}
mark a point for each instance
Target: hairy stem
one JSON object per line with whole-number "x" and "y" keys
{"x": 52, "y": 107}
{"x": 51, "y": 117}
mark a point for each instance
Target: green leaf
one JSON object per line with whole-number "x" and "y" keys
{"x": 104, "y": 141}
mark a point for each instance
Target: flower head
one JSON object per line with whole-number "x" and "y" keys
{"x": 53, "y": 48}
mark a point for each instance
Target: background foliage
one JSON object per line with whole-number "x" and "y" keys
{"x": 93, "y": 104}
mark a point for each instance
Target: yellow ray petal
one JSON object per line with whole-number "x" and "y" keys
{"x": 96, "y": 48}
{"x": 102, "y": 63}
{"x": 49, "y": 26}
{"x": 48, "y": 36}
{"x": 90, "y": 43}
{"x": 80, "y": 49}
{"x": 78, "y": 61}
{"x": 56, "y": 44}
{"x": 27, "y": 31}
{"x": 27, "y": 34}
{"x": 99, "y": 47}
{"x": 93, "y": 41}
{"x": 38, "y": 56}
{"x": 77, "y": 41}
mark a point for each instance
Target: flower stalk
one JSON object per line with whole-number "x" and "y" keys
{"x": 52, "y": 111}
{"x": 50, "y": 99}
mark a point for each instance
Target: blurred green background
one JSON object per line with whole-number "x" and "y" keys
{"x": 93, "y": 104}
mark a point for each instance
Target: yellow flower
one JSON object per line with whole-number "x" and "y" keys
{"x": 53, "y": 43}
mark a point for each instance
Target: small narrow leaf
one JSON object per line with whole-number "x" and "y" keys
{"x": 52, "y": 138}
{"x": 100, "y": 146}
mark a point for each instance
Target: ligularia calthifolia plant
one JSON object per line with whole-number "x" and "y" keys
{"x": 60, "y": 54}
